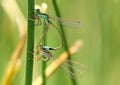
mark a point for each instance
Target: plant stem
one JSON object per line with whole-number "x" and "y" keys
{"x": 64, "y": 37}
{"x": 43, "y": 62}
{"x": 30, "y": 43}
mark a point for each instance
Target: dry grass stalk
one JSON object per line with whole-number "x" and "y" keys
{"x": 13, "y": 11}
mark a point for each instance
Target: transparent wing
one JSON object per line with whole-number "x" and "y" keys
{"x": 67, "y": 22}
{"x": 73, "y": 68}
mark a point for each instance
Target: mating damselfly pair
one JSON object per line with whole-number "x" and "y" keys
{"x": 44, "y": 53}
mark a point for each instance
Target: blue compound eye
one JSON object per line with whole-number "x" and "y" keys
{"x": 46, "y": 47}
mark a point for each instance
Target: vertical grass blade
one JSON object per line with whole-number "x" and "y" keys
{"x": 30, "y": 43}
{"x": 43, "y": 62}
{"x": 64, "y": 37}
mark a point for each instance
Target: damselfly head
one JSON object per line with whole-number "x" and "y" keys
{"x": 44, "y": 52}
{"x": 37, "y": 10}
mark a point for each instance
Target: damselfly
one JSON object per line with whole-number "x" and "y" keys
{"x": 43, "y": 16}
{"x": 39, "y": 16}
{"x": 73, "y": 68}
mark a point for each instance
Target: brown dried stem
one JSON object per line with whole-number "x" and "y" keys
{"x": 14, "y": 63}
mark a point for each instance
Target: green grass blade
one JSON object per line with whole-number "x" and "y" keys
{"x": 30, "y": 44}
{"x": 64, "y": 37}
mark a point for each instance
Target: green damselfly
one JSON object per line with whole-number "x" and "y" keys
{"x": 73, "y": 68}
{"x": 39, "y": 16}
{"x": 64, "y": 21}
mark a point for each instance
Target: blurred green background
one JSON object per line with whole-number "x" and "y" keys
{"x": 100, "y": 27}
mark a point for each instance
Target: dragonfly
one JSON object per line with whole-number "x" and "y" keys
{"x": 39, "y": 17}
{"x": 73, "y": 68}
